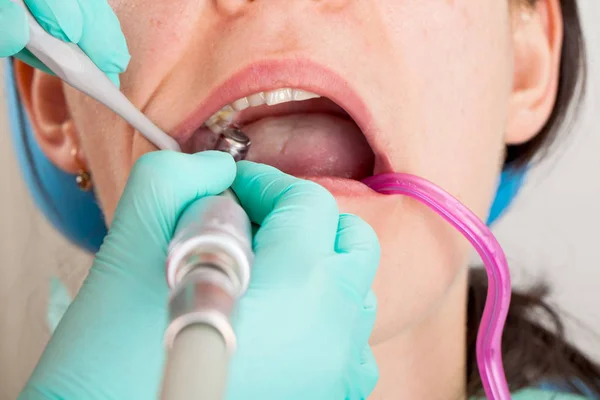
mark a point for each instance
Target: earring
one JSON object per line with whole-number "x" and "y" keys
{"x": 83, "y": 178}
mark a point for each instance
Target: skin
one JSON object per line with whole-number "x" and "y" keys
{"x": 449, "y": 83}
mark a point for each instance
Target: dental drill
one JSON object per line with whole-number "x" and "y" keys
{"x": 208, "y": 269}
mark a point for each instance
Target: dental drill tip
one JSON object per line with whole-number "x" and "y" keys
{"x": 234, "y": 142}
{"x": 237, "y": 135}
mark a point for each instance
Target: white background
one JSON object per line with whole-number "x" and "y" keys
{"x": 551, "y": 233}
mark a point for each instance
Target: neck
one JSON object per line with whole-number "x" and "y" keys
{"x": 429, "y": 360}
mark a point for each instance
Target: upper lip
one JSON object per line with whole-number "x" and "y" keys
{"x": 271, "y": 75}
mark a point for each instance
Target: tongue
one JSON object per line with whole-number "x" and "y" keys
{"x": 311, "y": 145}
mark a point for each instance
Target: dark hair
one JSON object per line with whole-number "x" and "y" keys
{"x": 534, "y": 348}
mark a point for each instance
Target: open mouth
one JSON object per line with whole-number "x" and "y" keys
{"x": 302, "y": 118}
{"x": 296, "y": 131}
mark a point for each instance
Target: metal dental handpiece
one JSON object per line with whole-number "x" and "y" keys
{"x": 208, "y": 269}
{"x": 74, "y": 67}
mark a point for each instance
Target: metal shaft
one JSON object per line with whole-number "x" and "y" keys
{"x": 234, "y": 142}
{"x": 208, "y": 269}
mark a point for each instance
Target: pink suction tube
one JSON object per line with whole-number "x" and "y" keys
{"x": 489, "y": 337}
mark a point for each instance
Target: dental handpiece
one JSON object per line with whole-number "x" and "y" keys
{"x": 208, "y": 269}
{"x": 75, "y": 68}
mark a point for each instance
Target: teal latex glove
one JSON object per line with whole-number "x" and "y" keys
{"x": 89, "y": 23}
{"x": 302, "y": 327}
{"x": 109, "y": 344}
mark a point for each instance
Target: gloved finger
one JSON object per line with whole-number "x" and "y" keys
{"x": 161, "y": 185}
{"x": 286, "y": 207}
{"x": 114, "y": 77}
{"x": 366, "y": 322}
{"x": 356, "y": 239}
{"x": 102, "y": 38}
{"x": 364, "y": 370}
{"x": 60, "y": 18}
{"x": 14, "y": 31}
{"x": 368, "y": 373}
{"x": 354, "y": 235}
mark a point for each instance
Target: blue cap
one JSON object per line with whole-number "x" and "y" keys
{"x": 76, "y": 215}
{"x": 510, "y": 183}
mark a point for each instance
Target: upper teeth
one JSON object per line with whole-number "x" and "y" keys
{"x": 221, "y": 120}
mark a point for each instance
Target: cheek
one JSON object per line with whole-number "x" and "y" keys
{"x": 444, "y": 110}
{"x": 452, "y": 78}
{"x": 105, "y": 142}
{"x": 421, "y": 259}
{"x": 158, "y": 33}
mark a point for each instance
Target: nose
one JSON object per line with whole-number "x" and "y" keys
{"x": 237, "y": 7}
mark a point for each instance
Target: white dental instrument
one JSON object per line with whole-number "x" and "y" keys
{"x": 74, "y": 67}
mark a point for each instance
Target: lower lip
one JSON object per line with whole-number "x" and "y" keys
{"x": 342, "y": 186}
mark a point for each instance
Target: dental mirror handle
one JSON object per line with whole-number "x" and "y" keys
{"x": 74, "y": 67}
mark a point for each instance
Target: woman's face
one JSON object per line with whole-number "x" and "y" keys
{"x": 432, "y": 84}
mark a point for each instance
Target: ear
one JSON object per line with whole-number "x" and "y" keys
{"x": 44, "y": 100}
{"x": 538, "y": 36}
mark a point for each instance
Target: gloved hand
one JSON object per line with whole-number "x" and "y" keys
{"x": 302, "y": 327}
{"x": 109, "y": 344}
{"x": 90, "y": 24}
